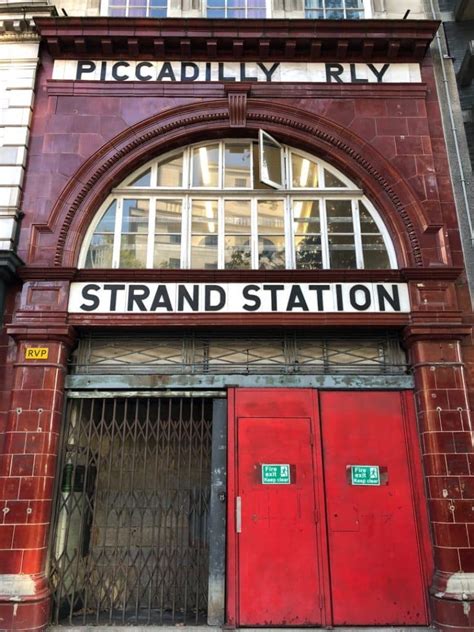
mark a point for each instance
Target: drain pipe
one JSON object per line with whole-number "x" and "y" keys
{"x": 454, "y": 129}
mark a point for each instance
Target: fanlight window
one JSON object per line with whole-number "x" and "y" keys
{"x": 236, "y": 205}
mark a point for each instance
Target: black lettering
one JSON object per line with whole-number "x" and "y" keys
{"x": 86, "y": 294}
{"x": 113, "y": 289}
{"x": 161, "y": 299}
{"x": 379, "y": 73}
{"x": 243, "y": 76}
{"x": 251, "y": 297}
{"x": 333, "y": 71}
{"x": 184, "y": 295}
{"x": 319, "y": 289}
{"x": 208, "y": 70}
{"x": 274, "y": 289}
{"x": 208, "y": 290}
{"x": 84, "y": 67}
{"x": 339, "y": 302}
{"x": 268, "y": 73}
{"x": 166, "y": 72}
{"x": 136, "y": 295}
{"x": 103, "y": 70}
{"x": 115, "y": 68}
{"x": 392, "y": 299}
{"x": 353, "y": 297}
{"x": 296, "y": 300}
{"x": 354, "y": 77}
{"x": 193, "y": 67}
{"x": 221, "y": 74}
{"x": 138, "y": 71}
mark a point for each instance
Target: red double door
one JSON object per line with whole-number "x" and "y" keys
{"x": 313, "y": 540}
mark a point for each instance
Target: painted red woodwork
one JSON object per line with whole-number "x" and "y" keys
{"x": 374, "y": 552}
{"x": 278, "y": 556}
{"x": 293, "y": 406}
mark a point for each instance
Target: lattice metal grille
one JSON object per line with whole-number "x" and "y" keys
{"x": 130, "y": 538}
{"x": 252, "y": 353}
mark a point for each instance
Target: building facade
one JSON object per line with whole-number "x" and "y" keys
{"x": 238, "y": 356}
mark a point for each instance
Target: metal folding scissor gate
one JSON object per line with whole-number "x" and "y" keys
{"x": 130, "y": 537}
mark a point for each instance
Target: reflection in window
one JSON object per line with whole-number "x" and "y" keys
{"x": 237, "y": 231}
{"x": 206, "y": 207}
{"x": 334, "y": 9}
{"x": 99, "y": 253}
{"x": 236, "y": 8}
{"x": 138, "y": 8}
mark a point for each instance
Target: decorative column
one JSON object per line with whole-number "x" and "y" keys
{"x": 30, "y": 451}
{"x": 447, "y": 442}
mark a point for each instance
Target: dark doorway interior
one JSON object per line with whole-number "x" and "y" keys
{"x": 130, "y": 537}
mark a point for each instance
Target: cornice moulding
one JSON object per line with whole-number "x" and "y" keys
{"x": 199, "y": 39}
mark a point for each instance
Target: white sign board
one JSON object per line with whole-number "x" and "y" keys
{"x": 240, "y": 298}
{"x": 256, "y": 71}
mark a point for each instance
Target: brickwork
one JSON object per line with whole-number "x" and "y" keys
{"x": 27, "y": 483}
{"x": 388, "y": 140}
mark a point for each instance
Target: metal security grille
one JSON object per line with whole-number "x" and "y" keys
{"x": 130, "y": 537}
{"x": 199, "y": 353}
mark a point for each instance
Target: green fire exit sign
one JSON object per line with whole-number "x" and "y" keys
{"x": 275, "y": 474}
{"x": 365, "y": 475}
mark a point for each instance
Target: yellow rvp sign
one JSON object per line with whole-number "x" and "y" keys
{"x": 36, "y": 353}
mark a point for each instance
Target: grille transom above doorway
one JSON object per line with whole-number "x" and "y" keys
{"x": 251, "y": 353}
{"x": 130, "y": 538}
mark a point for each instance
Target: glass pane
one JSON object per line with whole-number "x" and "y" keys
{"x": 204, "y": 216}
{"x": 342, "y": 251}
{"x": 271, "y": 252}
{"x": 257, "y": 182}
{"x": 271, "y": 160}
{"x": 375, "y": 253}
{"x": 215, "y": 13}
{"x": 107, "y": 223}
{"x": 133, "y": 251}
{"x": 237, "y": 252}
{"x": 157, "y": 13}
{"x": 308, "y": 252}
{"x": 236, "y": 13}
{"x": 354, "y": 15}
{"x": 206, "y": 166}
{"x": 237, "y": 165}
{"x": 306, "y": 216}
{"x": 135, "y": 216}
{"x": 270, "y": 217}
{"x": 304, "y": 172}
{"x": 256, "y": 13}
{"x": 137, "y": 13}
{"x": 334, "y": 14}
{"x": 339, "y": 216}
{"x": 332, "y": 182}
{"x": 168, "y": 216}
{"x": 367, "y": 223}
{"x": 100, "y": 250}
{"x": 143, "y": 180}
{"x": 170, "y": 172}
{"x": 237, "y": 216}
{"x": 334, "y": 4}
{"x": 314, "y": 15}
{"x": 204, "y": 252}
{"x": 167, "y": 252}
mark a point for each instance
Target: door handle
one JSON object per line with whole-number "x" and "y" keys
{"x": 238, "y": 514}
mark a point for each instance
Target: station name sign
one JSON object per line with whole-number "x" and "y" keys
{"x": 136, "y": 298}
{"x": 210, "y": 71}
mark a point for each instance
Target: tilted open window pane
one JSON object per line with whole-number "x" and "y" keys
{"x": 318, "y": 219}
{"x": 271, "y": 161}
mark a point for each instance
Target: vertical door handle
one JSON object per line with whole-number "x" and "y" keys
{"x": 238, "y": 514}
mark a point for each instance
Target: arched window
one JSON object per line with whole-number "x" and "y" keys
{"x": 235, "y": 205}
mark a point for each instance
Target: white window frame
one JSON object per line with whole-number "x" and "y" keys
{"x": 105, "y": 8}
{"x": 289, "y": 195}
